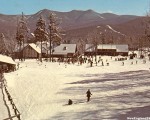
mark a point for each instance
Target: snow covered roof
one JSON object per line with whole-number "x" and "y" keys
{"x": 106, "y": 46}
{"x": 64, "y": 49}
{"x": 90, "y": 47}
{"x": 35, "y": 47}
{"x": 122, "y": 48}
{"x": 6, "y": 59}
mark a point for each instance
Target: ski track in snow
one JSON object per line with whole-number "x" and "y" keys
{"x": 114, "y": 30}
{"x": 42, "y": 93}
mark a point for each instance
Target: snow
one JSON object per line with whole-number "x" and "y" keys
{"x": 39, "y": 13}
{"x": 6, "y": 59}
{"x": 101, "y": 16}
{"x": 41, "y": 90}
{"x": 122, "y": 48}
{"x": 3, "y": 109}
{"x": 114, "y": 30}
{"x": 35, "y": 47}
{"x": 33, "y": 34}
{"x": 107, "y": 46}
{"x": 64, "y": 49}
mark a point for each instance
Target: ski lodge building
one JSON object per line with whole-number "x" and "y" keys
{"x": 34, "y": 51}
{"x": 28, "y": 51}
{"x": 31, "y": 51}
{"x": 65, "y": 50}
{"x": 106, "y": 49}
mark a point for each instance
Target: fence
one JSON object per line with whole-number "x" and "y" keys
{"x": 16, "y": 111}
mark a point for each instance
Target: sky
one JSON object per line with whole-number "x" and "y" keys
{"x": 121, "y": 7}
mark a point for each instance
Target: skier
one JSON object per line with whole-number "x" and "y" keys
{"x": 91, "y": 63}
{"x": 88, "y": 95}
{"x": 102, "y": 63}
{"x": 18, "y": 65}
{"x": 136, "y": 61}
{"x": 70, "y": 102}
{"x": 122, "y": 63}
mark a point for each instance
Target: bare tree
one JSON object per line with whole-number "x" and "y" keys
{"x": 3, "y": 47}
{"x": 80, "y": 46}
{"x": 21, "y": 34}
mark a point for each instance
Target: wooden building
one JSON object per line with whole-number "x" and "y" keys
{"x": 6, "y": 63}
{"x": 106, "y": 49}
{"x": 31, "y": 51}
{"x": 28, "y": 51}
{"x": 122, "y": 50}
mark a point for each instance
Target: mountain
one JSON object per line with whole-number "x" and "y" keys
{"x": 76, "y": 23}
{"x": 133, "y": 27}
{"x": 69, "y": 20}
{"x": 124, "y": 33}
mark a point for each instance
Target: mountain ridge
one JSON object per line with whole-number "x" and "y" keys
{"x": 74, "y": 21}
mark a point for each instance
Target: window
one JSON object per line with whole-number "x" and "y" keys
{"x": 64, "y": 48}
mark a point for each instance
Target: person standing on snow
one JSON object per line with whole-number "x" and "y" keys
{"x": 88, "y": 95}
{"x": 70, "y": 102}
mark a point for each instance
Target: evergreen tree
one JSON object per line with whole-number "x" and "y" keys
{"x": 40, "y": 32}
{"x": 54, "y": 33}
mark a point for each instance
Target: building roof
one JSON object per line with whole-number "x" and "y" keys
{"x": 6, "y": 59}
{"x": 64, "y": 49}
{"x": 122, "y": 48}
{"x": 35, "y": 47}
{"x": 106, "y": 46}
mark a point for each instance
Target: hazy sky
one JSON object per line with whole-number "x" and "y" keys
{"x": 132, "y": 7}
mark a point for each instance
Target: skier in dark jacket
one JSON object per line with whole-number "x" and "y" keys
{"x": 70, "y": 102}
{"x": 88, "y": 95}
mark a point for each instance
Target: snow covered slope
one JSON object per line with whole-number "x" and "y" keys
{"x": 41, "y": 91}
{"x": 114, "y": 30}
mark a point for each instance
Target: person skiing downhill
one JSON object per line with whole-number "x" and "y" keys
{"x": 88, "y": 95}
